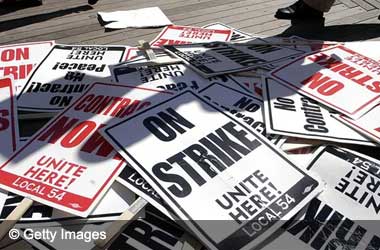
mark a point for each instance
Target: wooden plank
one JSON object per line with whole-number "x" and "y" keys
{"x": 349, "y": 3}
{"x": 364, "y": 4}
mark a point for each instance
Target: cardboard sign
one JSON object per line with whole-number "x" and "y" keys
{"x": 65, "y": 74}
{"x": 152, "y": 232}
{"x": 237, "y": 35}
{"x": 368, "y": 124}
{"x": 174, "y": 34}
{"x": 67, "y": 164}
{"x": 117, "y": 199}
{"x": 337, "y": 77}
{"x": 308, "y": 118}
{"x": 344, "y": 214}
{"x": 9, "y": 132}
{"x": 246, "y": 108}
{"x": 200, "y": 150}
{"x": 217, "y": 58}
{"x": 18, "y": 60}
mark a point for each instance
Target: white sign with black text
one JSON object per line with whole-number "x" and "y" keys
{"x": 289, "y": 113}
{"x": 65, "y": 74}
{"x": 196, "y": 149}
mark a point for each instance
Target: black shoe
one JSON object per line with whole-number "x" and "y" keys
{"x": 92, "y": 2}
{"x": 298, "y": 10}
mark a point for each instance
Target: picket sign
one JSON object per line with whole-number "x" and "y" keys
{"x": 65, "y": 73}
{"x": 175, "y": 34}
{"x": 181, "y": 185}
{"x": 151, "y": 56}
{"x": 18, "y": 60}
{"x": 74, "y": 134}
{"x": 310, "y": 120}
{"x": 9, "y": 135}
{"x": 332, "y": 77}
{"x": 345, "y": 215}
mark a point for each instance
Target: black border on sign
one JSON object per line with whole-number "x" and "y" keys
{"x": 262, "y": 141}
{"x": 62, "y": 47}
{"x": 266, "y": 83}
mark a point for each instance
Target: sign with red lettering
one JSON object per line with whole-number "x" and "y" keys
{"x": 67, "y": 164}
{"x": 199, "y": 150}
{"x": 65, "y": 74}
{"x": 174, "y": 34}
{"x": 368, "y": 124}
{"x": 308, "y": 118}
{"x": 9, "y": 133}
{"x": 338, "y": 77}
{"x": 18, "y": 60}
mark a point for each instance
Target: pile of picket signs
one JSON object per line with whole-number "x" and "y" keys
{"x": 208, "y": 138}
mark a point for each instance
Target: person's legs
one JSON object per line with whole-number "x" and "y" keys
{"x": 305, "y": 9}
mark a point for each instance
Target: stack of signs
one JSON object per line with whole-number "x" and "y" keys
{"x": 18, "y": 60}
{"x": 174, "y": 34}
{"x": 225, "y": 142}
{"x": 65, "y": 73}
{"x": 193, "y": 156}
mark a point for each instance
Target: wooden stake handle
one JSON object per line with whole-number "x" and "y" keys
{"x": 190, "y": 243}
{"x": 13, "y": 217}
{"x": 124, "y": 219}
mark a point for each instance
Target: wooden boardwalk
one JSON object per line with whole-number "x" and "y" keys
{"x": 75, "y": 22}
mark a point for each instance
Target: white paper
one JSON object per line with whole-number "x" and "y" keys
{"x": 86, "y": 165}
{"x": 18, "y": 60}
{"x": 289, "y": 113}
{"x": 175, "y": 34}
{"x": 65, "y": 74}
{"x": 140, "y": 18}
{"x": 368, "y": 124}
{"x": 185, "y": 189}
{"x": 333, "y": 77}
